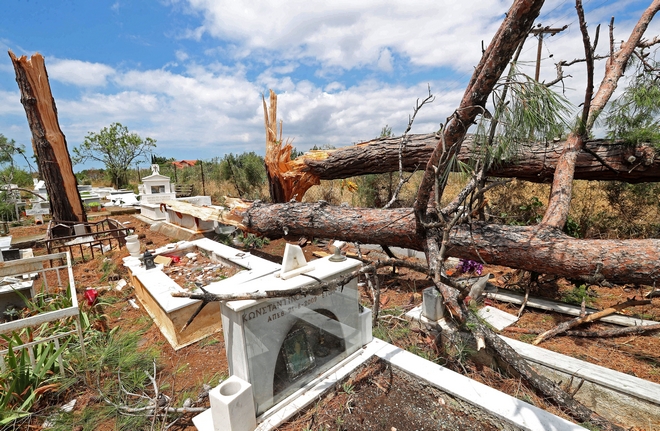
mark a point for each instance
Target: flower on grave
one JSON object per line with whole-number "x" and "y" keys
{"x": 467, "y": 266}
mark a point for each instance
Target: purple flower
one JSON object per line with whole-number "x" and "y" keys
{"x": 467, "y": 266}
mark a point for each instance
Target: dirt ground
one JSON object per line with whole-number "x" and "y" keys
{"x": 185, "y": 370}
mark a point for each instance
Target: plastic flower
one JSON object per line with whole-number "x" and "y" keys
{"x": 466, "y": 266}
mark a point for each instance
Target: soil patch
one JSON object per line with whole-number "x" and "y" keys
{"x": 181, "y": 373}
{"x": 379, "y": 397}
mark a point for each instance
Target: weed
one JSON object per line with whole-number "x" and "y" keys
{"x": 348, "y": 388}
{"x": 527, "y": 338}
{"x": 577, "y": 294}
{"x": 29, "y": 372}
{"x": 209, "y": 341}
{"x": 182, "y": 368}
{"x": 108, "y": 267}
{"x": 253, "y": 241}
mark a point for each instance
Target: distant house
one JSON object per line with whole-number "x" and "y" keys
{"x": 184, "y": 163}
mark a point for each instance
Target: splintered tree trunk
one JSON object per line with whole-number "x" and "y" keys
{"x": 283, "y": 183}
{"x": 600, "y": 160}
{"x": 48, "y": 141}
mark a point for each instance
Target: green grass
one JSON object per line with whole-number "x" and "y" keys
{"x": 577, "y": 294}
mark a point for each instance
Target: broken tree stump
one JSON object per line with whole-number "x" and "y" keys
{"x": 48, "y": 141}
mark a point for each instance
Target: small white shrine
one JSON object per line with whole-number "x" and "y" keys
{"x": 154, "y": 190}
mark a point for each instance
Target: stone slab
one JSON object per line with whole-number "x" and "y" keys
{"x": 497, "y": 318}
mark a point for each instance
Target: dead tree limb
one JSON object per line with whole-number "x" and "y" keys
{"x": 569, "y": 324}
{"x": 604, "y": 333}
{"x": 540, "y": 383}
{"x": 562, "y": 185}
{"x": 616, "y": 332}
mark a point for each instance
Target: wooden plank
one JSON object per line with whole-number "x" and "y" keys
{"x": 571, "y": 310}
{"x": 207, "y": 322}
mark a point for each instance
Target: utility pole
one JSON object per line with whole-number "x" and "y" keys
{"x": 540, "y": 31}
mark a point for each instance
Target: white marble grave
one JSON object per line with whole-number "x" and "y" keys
{"x": 279, "y": 345}
{"x": 188, "y": 221}
{"x": 154, "y": 190}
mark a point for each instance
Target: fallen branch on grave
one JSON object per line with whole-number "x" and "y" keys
{"x": 540, "y": 383}
{"x": 615, "y": 332}
{"x": 565, "y": 326}
{"x": 157, "y": 406}
{"x": 314, "y": 289}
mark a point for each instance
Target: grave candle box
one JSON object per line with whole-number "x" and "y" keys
{"x": 281, "y": 344}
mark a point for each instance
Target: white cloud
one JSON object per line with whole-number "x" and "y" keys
{"x": 181, "y": 55}
{"x": 79, "y": 73}
{"x": 305, "y": 50}
{"x": 385, "y": 60}
{"x": 352, "y": 34}
{"x": 10, "y": 103}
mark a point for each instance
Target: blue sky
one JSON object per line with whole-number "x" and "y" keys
{"x": 190, "y": 73}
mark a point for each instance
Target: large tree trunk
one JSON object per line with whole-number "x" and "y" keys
{"x": 536, "y": 162}
{"x": 48, "y": 141}
{"x": 532, "y": 248}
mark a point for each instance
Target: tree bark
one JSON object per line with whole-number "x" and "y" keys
{"x": 540, "y": 383}
{"x": 531, "y": 248}
{"x": 48, "y": 141}
{"x": 513, "y": 30}
{"x": 562, "y": 185}
{"x": 536, "y": 162}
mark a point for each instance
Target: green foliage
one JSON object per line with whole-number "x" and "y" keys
{"x": 295, "y": 153}
{"x": 252, "y": 241}
{"x": 525, "y": 110}
{"x": 21, "y": 382}
{"x": 18, "y": 176}
{"x": 572, "y": 228}
{"x": 526, "y": 213}
{"x": 8, "y": 149}
{"x": 160, "y": 160}
{"x": 590, "y": 426}
{"x": 247, "y": 172}
{"x": 375, "y": 190}
{"x": 108, "y": 267}
{"x": 7, "y": 208}
{"x": 347, "y": 388}
{"x": 635, "y": 116}
{"x": 115, "y": 363}
{"x": 116, "y": 148}
{"x": 91, "y": 176}
{"x": 577, "y": 294}
{"x": 322, "y": 147}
